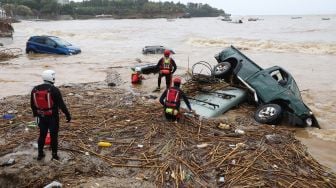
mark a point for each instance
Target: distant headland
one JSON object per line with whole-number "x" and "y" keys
{"x": 119, "y": 9}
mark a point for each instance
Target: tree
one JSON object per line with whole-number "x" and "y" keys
{"x": 23, "y": 10}
{"x": 10, "y": 9}
{"x": 50, "y": 7}
{"x": 122, "y": 8}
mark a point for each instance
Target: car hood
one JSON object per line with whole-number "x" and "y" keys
{"x": 296, "y": 105}
{"x": 73, "y": 48}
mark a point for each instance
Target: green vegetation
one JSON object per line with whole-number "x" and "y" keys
{"x": 116, "y": 8}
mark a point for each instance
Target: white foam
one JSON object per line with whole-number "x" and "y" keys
{"x": 267, "y": 45}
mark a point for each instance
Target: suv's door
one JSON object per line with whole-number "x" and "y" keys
{"x": 269, "y": 83}
{"x": 39, "y": 44}
{"x": 51, "y": 46}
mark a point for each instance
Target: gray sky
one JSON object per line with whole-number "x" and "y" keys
{"x": 269, "y": 7}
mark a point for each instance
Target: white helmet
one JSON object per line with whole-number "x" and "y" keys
{"x": 137, "y": 69}
{"x": 48, "y": 75}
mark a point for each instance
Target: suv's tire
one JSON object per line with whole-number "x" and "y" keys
{"x": 30, "y": 51}
{"x": 268, "y": 114}
{"x": 221, "y": 69}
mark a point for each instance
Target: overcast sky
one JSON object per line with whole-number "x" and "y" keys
{"x": 269, "y": 7}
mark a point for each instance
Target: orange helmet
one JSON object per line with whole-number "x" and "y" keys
{"x": 177, "y": 80}
{"x": 166, "y": 53}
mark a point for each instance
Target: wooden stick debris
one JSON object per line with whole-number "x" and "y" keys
{"x": 142, "y": 142}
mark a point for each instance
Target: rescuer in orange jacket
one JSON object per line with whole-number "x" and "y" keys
{"x": 136, "y": 77}
{"x": 167, "y": 67}
{"x": 171, "y": 100}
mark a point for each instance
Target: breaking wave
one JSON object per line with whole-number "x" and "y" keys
{"x": 268, "y": 45}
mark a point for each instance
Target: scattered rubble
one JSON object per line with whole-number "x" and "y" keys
{"x": 9, "y": 53}
{"x": 147, "y": 151}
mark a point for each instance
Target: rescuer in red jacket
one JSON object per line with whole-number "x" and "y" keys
{"x": 171, "y": 100}
{"x": 167, "y": 67}
{"x": 46, "y": 100}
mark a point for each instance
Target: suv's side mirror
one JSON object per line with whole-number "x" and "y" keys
{"x": 282, "y": 82}
{"x": 55, "y": 45}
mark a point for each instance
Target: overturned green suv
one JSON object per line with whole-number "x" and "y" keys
{"x": 273, "y": 89}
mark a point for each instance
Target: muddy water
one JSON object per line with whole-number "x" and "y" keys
{"x": 305, "y": 47}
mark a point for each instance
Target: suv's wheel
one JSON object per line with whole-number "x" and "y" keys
{"x": 268, "y": 113}
{"x": 30, "y": 51}
{"x": 221, "y": 69}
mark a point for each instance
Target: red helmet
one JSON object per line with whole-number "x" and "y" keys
{"x": 166, "y": 53}
{"x": 177, "y": 80}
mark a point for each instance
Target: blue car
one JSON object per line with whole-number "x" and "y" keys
{"x": 51, "y": 45}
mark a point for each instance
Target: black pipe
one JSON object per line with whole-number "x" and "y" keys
{"x": 225, "y": 95}
{"x": 209, "y": 103}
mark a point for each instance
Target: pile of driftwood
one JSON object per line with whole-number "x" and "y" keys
{"x": 9, "y": 53}
{"x": 191, "y": 153}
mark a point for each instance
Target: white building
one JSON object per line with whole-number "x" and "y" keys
{"x": 2, "y": 13}
{"x": 63, "y": 2}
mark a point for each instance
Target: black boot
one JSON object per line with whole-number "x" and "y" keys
{"x": 55, "y": 156}
{"x": 40, "y": 156}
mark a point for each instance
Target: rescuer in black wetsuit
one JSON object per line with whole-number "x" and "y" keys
{"x": 46, "y": 100}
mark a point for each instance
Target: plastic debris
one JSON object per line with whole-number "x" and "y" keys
{"x": 8, "y": 116}
{"x": 240, "y": 145}
{"x": 12, "y": 111}
{"x": 221, "y": 179}
{"x": 224, "y": 126}
{"x": 104, "y": 144}
{"x": 202, "y": 145}
{"x": 35, "y": 145}
{"x": 10, "y": 161}
{"x": 232, "y": 145}
{"x": 48, "y": 139}
{"x": 140, "y": 145}
{"x": 239, "y": 131}
{"x": 54, "y": 184}
{"x": 32, "y": 124}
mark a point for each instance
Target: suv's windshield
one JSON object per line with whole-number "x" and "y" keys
{"x": 60, "y": 42}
